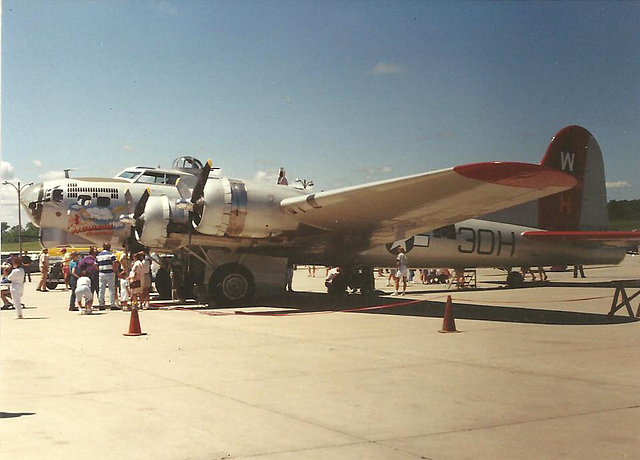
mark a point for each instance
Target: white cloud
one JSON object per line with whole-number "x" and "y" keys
{"x": 620, "y": 184}
{"x": 38, "y": 163}
{"x": 270, "y": 175}
{"x": 382, "y": 68}
{"x": 6, "y": 171}
{"x": 49, "y": 175}
{"x": 9, "y": 208}
{"x": 371, "y": 171}
{"x": 127, "y": 147}
{"x": 9, "y": 196}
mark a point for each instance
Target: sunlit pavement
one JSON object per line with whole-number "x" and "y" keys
{"x": 538, "y": 372}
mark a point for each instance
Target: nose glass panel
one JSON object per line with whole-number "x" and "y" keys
{"x": 30, "y": 199}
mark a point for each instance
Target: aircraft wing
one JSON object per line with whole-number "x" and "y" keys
{"x": 604, "y": 238}
{"x": 390, "y": 210}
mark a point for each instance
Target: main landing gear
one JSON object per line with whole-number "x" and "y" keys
{"x": 231, "y": 284}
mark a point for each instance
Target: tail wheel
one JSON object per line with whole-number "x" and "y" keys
{"x": 515, "y": 279}
{"x": 232, "y": 285}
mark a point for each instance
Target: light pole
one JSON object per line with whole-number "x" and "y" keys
{"x": 19, "y": 190}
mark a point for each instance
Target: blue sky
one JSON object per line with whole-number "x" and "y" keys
{"x": 341, "y": 92}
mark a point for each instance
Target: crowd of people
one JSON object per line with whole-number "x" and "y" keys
{"x": 88, "y": 276}
{"x": 127, "y": 277}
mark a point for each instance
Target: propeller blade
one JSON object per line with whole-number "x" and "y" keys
{"x": 198, "y": 190}
{"x": 131, "y": 207}
{"x": 184, "y": 202}
{"x": 183, "y": 190}
{"x": 141, "y": 204}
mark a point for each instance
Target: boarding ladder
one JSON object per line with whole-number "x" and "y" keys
{"x": 464, "y": 279}
{"x": 626, "y": 300}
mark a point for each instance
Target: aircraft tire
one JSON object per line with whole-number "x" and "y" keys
{"x": 231, "y": 285}
{"x": 515, "y": 279}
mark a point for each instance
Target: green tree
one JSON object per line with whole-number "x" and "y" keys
{"x": 10, "y": 234}
{"x": 624, "y": 209}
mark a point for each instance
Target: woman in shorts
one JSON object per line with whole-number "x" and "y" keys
{"x": 84, "y": 292}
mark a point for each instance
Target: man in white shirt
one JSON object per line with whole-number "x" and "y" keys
{"x": 106, "y": 276}
{"x": 43, "y": 263}
{"x": 402, "y": 271}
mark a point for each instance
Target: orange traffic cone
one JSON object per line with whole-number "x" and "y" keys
{"x": 449, "y": 322}
{"x": 134, "y": 324}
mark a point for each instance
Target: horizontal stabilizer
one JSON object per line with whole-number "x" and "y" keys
{"x": 609, "y": 238}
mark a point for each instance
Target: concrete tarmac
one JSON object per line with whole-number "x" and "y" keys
{"x": 540, "y": 372}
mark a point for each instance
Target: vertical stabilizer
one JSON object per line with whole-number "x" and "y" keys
{"x": 574, "y": 150}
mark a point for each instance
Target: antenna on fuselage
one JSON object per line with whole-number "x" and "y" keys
{"x": 66, "y": 172}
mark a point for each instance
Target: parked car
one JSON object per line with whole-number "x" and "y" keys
{"x": 30, "y": 263}
{"x": 55, "y": 269}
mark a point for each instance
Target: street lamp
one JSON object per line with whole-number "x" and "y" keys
{"x": 19, "y": 190}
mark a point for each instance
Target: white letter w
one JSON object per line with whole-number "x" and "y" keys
{"x": 567, "y": 158}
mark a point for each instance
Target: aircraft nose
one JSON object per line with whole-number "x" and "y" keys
{"x": 31, "y": 198}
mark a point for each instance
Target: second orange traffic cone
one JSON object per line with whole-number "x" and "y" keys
{"x": 134, "y": 324}
{"x": 449, "y": 322}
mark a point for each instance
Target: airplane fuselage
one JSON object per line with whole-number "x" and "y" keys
{"x": 81, "y": 211}
{"x": 477, "y": 243}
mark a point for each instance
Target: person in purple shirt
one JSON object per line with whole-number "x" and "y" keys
{"x": 90, "y": 265}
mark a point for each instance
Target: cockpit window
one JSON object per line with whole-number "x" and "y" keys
{"x": 56, "y": 195}
{"x": 153, "y": 177}
{"x": 129, "y": 174}
{"x": 187, "y": 162}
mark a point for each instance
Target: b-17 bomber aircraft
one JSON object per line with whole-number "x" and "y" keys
{"x": 230, "y": 239}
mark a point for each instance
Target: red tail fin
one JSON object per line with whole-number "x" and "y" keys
{"x": 574, "y": 150}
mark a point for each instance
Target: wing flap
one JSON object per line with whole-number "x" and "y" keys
{"x": 390, "y": 210}
{"x": 587, "y": 238}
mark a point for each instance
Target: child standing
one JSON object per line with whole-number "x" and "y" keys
{"x": 17, "y": 285}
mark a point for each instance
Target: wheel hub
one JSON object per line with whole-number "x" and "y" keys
{"x": 235, "y": 286}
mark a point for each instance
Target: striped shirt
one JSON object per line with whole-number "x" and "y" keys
{"x": 105, "y": 261}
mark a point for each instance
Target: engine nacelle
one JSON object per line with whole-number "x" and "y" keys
{"x": 151, "y": 228}
{"x": 246, "y": 210}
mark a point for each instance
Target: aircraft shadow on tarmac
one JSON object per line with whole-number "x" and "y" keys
{"x": 507, "y": 314}
{"x": 15, "y": 414}
{"x": 632, "y": 284}
{"x": 309, "y": 303}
